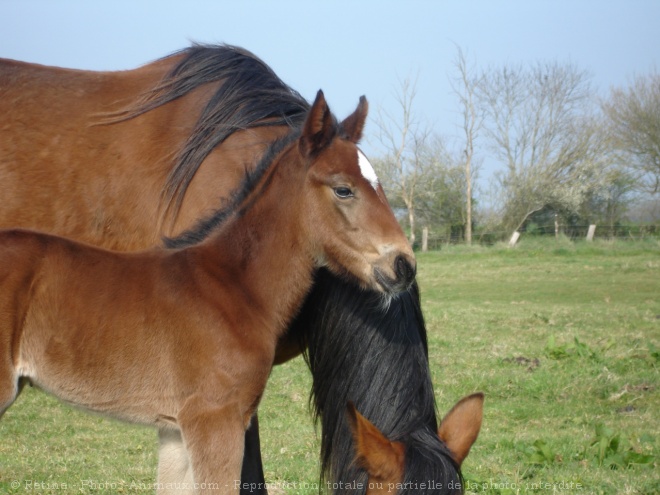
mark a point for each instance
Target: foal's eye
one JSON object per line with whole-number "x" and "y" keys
{"x": 343, "y": 192}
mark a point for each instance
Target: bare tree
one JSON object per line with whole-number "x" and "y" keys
{"x": 441, "y": 203}
{"x": 634, "y": 117}
{"x": 464, "y": 86}
{"x": 404, "y": 169}
{"x": 539, "y": 125}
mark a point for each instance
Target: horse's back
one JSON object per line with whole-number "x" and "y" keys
{"x": 34, "y": 96}
{"x": 55, "y": 328}
{"x": 115, "y": 332}
{"x": 29, "y": 259}
{"x": 70, "y": 164}
{"x": 63, "y": 172}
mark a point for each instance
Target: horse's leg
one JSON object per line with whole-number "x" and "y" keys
{"x": 174, "y": 469}
{"x": 9, "y": 389}
{"x": 252, "y": 474}
{"x": 214, "y": 438}
{"x": 10, "y": 386}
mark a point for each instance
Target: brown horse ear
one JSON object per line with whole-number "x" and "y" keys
{"x": 354, "y": 124}
{"x": 319, "y": 127}
{"x": 381, "y": 458}
{"x": 460, "y": 427}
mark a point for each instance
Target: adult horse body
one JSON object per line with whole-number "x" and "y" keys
{"x": 75, "y": 161}
{"x": 122, "y": 159}
{"x": 184, "y": 339}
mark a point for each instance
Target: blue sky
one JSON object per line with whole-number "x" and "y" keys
{"x": 347, "y": 48}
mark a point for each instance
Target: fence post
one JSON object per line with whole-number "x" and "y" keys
{"x": 425, "y": 239}
{"x": 514, "y": 238}
{"x": 591, "y": 232}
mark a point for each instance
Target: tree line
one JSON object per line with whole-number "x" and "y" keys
{"x": 565, "y": 154}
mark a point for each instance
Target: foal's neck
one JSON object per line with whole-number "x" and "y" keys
{"x": 263, "y": 251}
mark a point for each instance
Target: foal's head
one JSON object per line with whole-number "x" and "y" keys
{"x": 347, "y": 214}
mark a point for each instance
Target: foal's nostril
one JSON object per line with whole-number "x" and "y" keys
{"x": 405, "y": 271}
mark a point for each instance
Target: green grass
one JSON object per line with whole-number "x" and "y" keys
{"x": 563, "y": 338}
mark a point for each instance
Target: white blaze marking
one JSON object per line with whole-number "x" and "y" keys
{"x": 367, "y": 169}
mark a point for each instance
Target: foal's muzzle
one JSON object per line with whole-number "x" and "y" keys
{"x": 404, "y": 270}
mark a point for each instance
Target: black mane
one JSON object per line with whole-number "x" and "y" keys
{"x": 251, "y": 95}
{"x": 205, "y": 226}
{"x": 377, "y": 358}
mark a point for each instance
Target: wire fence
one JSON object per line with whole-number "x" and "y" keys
{"x": 574, "y": 232}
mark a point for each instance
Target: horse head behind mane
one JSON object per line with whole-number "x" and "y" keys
{"x": 377, "y": 358}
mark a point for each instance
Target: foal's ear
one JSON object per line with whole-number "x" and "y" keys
{"x": 381, "y": 458}
{"x": 354, "y": 124}
{"x": 319, "y": 127}
{"x": 460, "y": 427}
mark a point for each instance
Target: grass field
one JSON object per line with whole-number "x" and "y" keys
{"x": 563, "y": 338}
